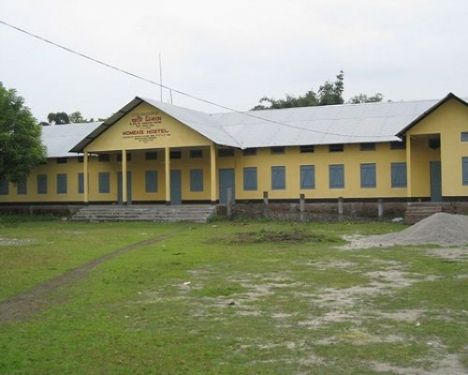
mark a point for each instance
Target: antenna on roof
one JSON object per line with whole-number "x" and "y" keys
{"x": 160, "y": 78}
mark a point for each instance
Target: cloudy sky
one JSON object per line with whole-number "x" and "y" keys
{"x": 232, "y": 52}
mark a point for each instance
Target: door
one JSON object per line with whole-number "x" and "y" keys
{"x": 129, "y": 187}
{"x": 226, "y": 180}
{"x": 436, "y": 181}
{"x": 176, "y": 186}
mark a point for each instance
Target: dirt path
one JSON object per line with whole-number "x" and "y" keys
{"x": 24, "y": 305}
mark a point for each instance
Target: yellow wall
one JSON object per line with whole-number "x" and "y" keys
{"x": 168, "y": 133}
{"x": 449, "y": 120}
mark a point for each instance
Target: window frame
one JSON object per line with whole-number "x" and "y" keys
{"x": 302, "y": 169}
{"x": 393, "y": 169}
{"x": 336, "y": 167}
{"x": 373, "y": 168}
{"x": 247, "y": 184}
{"x": 274, "y": 170}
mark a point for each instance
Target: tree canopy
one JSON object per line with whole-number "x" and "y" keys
{"x": 329, "y": 93}
{"x": 62, "y": 118}
{"x": 20, "y": 137}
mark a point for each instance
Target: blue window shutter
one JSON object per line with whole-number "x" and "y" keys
{"x": 307, "y": 177}
{"x": 250, "y": 178}
{"x": 399, "y": 178}
{"x": 278, "y": 180}
{"x": 151, "y": 181}
{"x": 465, "y": 170}
{"x": 80, "y": 183}
{"x": 336, "y": 175}
{"x": 61, "y": 183}
{"x": 4, "y": 188}
{"x": 42, "y": 184}
{"x": 22, "y": 187}
{"x": 368, "y": 175}
{"x": 104, "y": 182}
{"x": 196, "y": 180}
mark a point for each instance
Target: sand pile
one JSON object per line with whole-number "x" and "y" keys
{"x": 440, "y": 229}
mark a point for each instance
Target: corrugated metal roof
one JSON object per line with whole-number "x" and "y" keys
{"x": 346, "y": 123}
{"x": 59, "y": 139}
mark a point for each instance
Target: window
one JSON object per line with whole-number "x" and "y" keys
{"x": 196, "y": 154}
{"x": 80, "y": 183}
{"x": 61, "y": 183}
{"x": 119, "y": 157}
{"x": 196, "y": 180}
{"x": 465, "y": 170}
{"x": 249, "y": 151}
{"x": 151, "y": 155}
{"x": 61, "y": 160}
{"x": 225, "y": 152}
{"x": 307, "y": 177}
{"x": 104, "y": 157}
{"x": 277, "y": 150}
{"x": 397, "y": 145}
{"x": 306, "y": 149}
{"x": 464, "y": 136}
{"x": 367, "y": 146}
{"x": 336, "y": 175}
{"x": 250, "y": 178}
{"x": 278, "y": 178}
{"x": 104, "y": 182}
{"x": 336, "y": 148}
{"x": 80, "y": 159}
{"x": 4, "y": 186}
{"x": 175, "y": 154}
{"x": 398, "y": 175}
{"x": 368, "y": 176}
{"x": 41, "y": 184}
{"x": 22, "y": 187}
{"x": 151, "y": 181}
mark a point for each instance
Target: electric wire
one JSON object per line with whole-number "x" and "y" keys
{"x": 180, "y": 92}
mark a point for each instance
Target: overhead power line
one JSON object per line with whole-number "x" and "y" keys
{"x": 171, "y": 89}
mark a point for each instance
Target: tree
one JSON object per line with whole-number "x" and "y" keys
{"x": 20, "y": 137}
{"x": 329, "y": 93}
{"x": 363, "y": 98}
{"x": 76, "y": 117}
{"x": 58, "y": 118}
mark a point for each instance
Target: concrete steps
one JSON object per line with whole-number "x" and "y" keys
{"x": 418, "y": 211}
{"x": 197, "y": 213}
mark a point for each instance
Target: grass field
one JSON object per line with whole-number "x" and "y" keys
{"x": 227, "y": 298}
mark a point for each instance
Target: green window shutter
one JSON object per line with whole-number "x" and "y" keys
{"x": 104, "y": 182}
{"x": 4, "y": 188}
{"x": 399, "y": 178}
{"x": 42, "y": 184}
{"x": 196, "y": 180}
{"x": 368, "y": 175}
{"x": 151, "y": 181}
{"x": 250, "y": 178}
{"x": 278, "y": 178}
{"x": 80, "y": 183}
{"x": 336, "y": 176}
{"x": 61, "y": 183}
{"x": 307, "y": 177}
{"x": 465, "y": 170}
{"x": 22, "y": 187}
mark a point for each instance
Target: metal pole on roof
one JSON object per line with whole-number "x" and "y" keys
{"x": 160, "y": 78}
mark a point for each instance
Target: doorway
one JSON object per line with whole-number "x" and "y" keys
{"x": 226, "y": 180}
{"x": 436, "y": 181}
{"x": 176, "y": 186}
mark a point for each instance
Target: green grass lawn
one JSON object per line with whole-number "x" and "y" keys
{"x": 232, "y": 298}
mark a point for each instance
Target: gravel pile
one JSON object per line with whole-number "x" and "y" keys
{"x": 440, "y": 229}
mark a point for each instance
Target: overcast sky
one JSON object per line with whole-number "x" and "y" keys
{"x": 232, "y": 52}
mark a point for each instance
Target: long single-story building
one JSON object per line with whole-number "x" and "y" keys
{"x": 153, "y": 152}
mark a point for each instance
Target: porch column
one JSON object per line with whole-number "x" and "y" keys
{"x": 408, "y": 167}
{"x": 124, "y": 176}
{"x": 167, "y": 164}
{"x": 85, "y": 178}
{"x": 213, "y": 169}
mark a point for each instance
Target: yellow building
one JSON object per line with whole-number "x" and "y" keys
{"x": 152, "y": 152}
